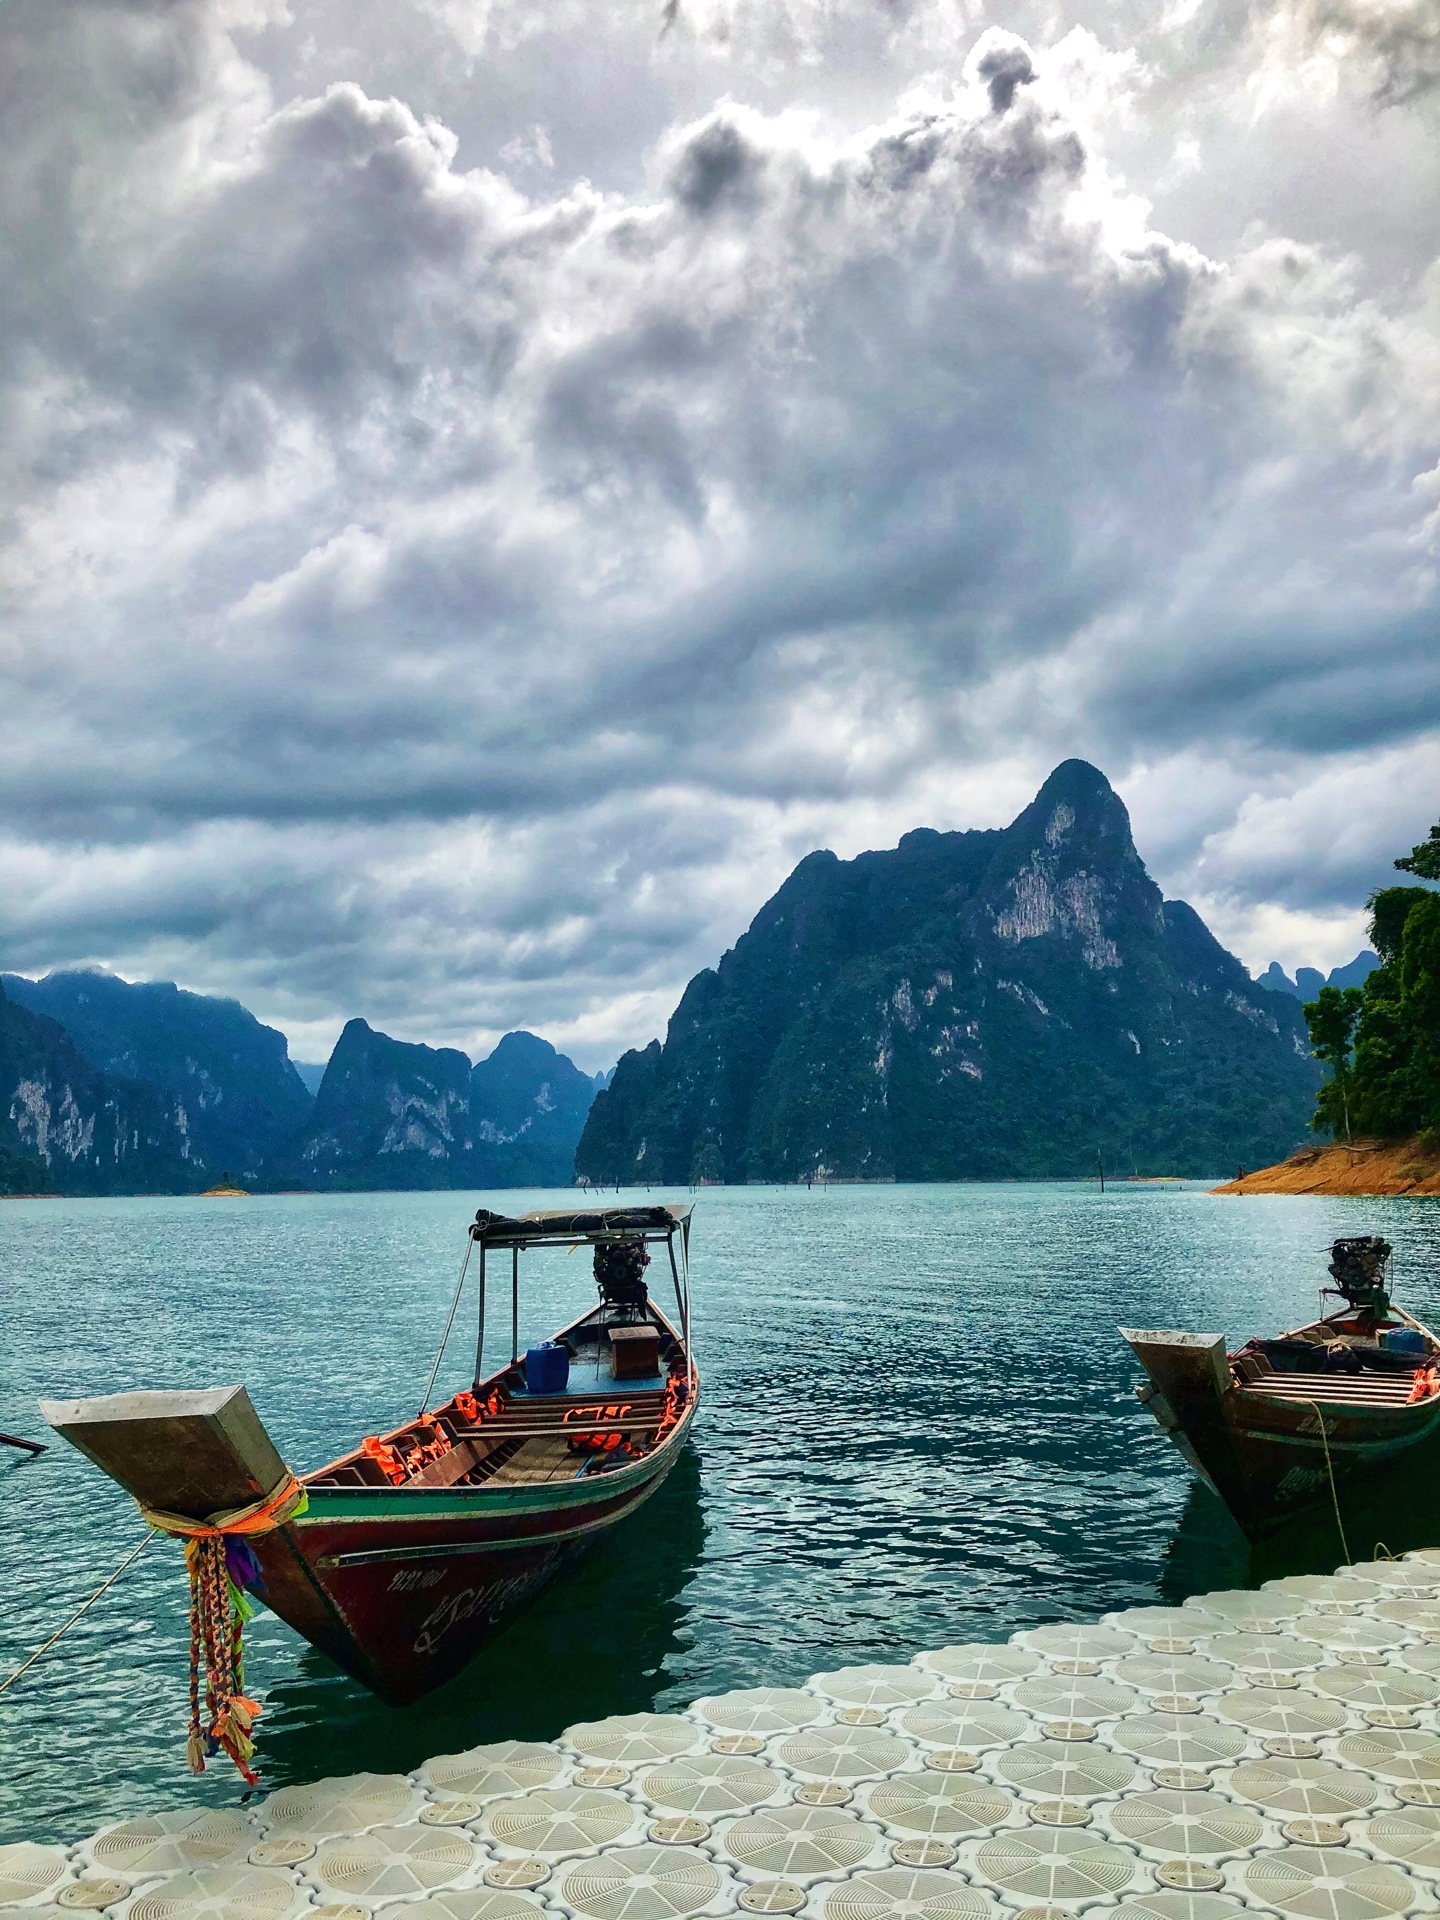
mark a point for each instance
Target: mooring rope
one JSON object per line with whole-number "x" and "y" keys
{"x": 445, "y": 1338}
{"x": 104, "y": 1587}
{"x": 1334, "y": 1496}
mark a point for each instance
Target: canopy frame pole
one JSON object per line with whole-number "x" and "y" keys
{"x": 480, "y": 1327}
{"x": 514, "y": 1305}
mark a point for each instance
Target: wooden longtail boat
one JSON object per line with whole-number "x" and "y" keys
{"x": 409, "y": 1551}
{"x": 1292, "y": 1424}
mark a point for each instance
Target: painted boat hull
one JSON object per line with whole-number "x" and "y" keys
{"x": 1275, "y": 1460}
{"x": 402, "y": 1588}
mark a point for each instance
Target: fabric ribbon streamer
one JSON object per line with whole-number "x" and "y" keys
{"x": 222, "y": 1568}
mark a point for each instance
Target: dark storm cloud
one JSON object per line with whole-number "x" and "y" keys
{"x": 445, "y": 603}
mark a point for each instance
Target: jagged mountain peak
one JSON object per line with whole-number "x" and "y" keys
{"x": 984, "y": 1004}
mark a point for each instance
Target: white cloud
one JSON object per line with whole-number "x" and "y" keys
{"x": 450, "y": 589}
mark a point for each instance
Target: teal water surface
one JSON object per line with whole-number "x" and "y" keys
{"x": 919, "y": 1426}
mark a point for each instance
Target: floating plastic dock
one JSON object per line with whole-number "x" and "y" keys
{"x": 1273, "y": 1752}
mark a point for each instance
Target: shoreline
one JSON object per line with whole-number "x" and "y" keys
{"x": 1366, "y": 1169}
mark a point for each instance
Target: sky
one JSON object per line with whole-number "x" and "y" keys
{"x": 486, "y": 486}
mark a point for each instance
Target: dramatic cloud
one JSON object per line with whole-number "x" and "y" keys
{"x": 472, "y": 527}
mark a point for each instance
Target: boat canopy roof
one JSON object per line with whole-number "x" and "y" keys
{"x": 573, "y": 1227}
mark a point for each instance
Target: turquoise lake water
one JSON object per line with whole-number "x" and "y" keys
{"x": 919, "y": 1427}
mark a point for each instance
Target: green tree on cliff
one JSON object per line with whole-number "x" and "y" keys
{"x": 1389, "y": 1084}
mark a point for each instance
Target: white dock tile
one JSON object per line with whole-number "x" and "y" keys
{"x": 30, "y": 1873}
{"x": 761, "y": 1710}
{"x": 874, "y": 1686}
{"x": 630, "y": 1739}
{"x": 711, "y": 1785}
{"x": 340, "y": 1803}
{"x": 1327, "y": 1883}
{"x": 220, "y": 1893}
{"x": 392, "y": 1863}
{"x": 903, "y": 1893}
{"x": 647, "y": 1882}
{"x": 488, "y": 1772}
{"x": 192, "y": 1837}
{"x": 798, "y": 1843}
{"x": 555, "y": 1823}
{"x": 938, "y": 1806}
{"x": 842, "y": 1753}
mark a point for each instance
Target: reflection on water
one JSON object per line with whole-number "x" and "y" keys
{"x": 918, "y": 1426}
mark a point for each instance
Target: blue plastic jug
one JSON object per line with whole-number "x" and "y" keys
{"x": 547, "y": 1368}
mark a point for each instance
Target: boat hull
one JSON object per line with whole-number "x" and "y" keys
{"x": 1273, "y": 1459}
{"x": 403, "y": 1588}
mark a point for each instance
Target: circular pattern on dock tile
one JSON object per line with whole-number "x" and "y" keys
{"x": 281, "y": 1853}
{"x": 1284, "y": 1713}
{"x": 1348, "y": 1632}
{"x": 640, "y": 1883}
{"x": 1315, "y": 1833}
{"x": 392, "y": 1863}
{"x": 938, "y": 1804}
{"x": 516, "y": 1873}
{"x": 945, "y": 1723}
{"x": 1089, "y": 1668}
{"x": 1164, "y": 1623}
{"x": 628, "y": 1739}
{"x": 1290, "y": 1746}
{"x": 1422, "y": 1615}
{"x": 1174, "y": 1673}
{"x": 220, "y": 1893}
{"x": 798, "y": 1843}
{"x": 1237, "y": 1605}
{"x": 1398, "y": 1576}
{"x": 1326, "y": 1589}
{"x": 678, "y": 1830}
{"x": 977, "y": 1661}
{"x": 1365, "y": 1687}
{"x": 1179, "y": 1906}
{"x": 1189, "y": 1876}
{"x": 1389, "y": 1717}
{"x": 1318, "y": 1884}
{"x": 341, "y": 1803}
{"x": 951, "y": 1760}
{"x": 1067, "y": 1730}
{"x": 27, "y": 1870}
{"x": 842, "y": 1753}
{"x": 1424, "y": 1659}
{"x": 971, "y": 1690}
{"x": 711, "y": 1783}
{"x": 92, "y": 1893}
{"x": 763, "y": 1710}
{"x": 554, "y": 1821}
{"x": 1266, "y": 1653}
{"x": 823, "y": 1793}
{"x": 742, "y": 1743}
{"x": 1077, "y": 1641}
{"x": 440, "y": 1813}
{"x": 860, "y": 1717}
{"x": 874, "y": 1686}
{"x": 1050, "y": 1770}
{"x": 468, "y": 1903}
{"x": 601, "y": 1776}
{"x": 1179, "y": 1740}
{"x": 904, "y": 1892}
{"x": 1411, "y": 1835}
{"x": 1183, "y": 1824}
{"x": 1392, "y": 1753}
{"x": 773, "y": 1896}
{"x": 1418, "y": 1793}
{"x": 1059, "y": 1813}
{"x": 1315, "y": 1787}
{"x": 923, "y": 1853}
{"x": 501, "y": 1767}
{"x": 169, "y": 1842}
{"x": 1058, "y": 1697}
{"x": 1055, "y": 1864}
{"x": 1183, "y": 1779}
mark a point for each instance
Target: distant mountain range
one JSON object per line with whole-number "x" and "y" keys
{"x": 112, "y": 1087}
{"x": 1309, "y": 980}
{"x": 985, "y": 1005}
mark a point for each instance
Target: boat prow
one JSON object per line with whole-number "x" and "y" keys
{"x": 1287, "y": 1425}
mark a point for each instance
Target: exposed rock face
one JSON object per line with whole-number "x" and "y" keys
{"x": 394, "y": 1115}
{"x": 528, "y": 1106}
{"x": 980, "y": 1005}
{"x": 66, "y": 1127}
{"x": 389, "y": 1114}
{"x": 228, "y": 1081}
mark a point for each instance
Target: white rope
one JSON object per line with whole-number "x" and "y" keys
{"x": 133, "y": 1555}
{"x": 459, "y": 1287}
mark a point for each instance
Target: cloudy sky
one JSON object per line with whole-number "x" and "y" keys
{"x": 489, "y": 484}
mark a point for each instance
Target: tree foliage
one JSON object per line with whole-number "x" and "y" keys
{"x": 1382, "y": 1042}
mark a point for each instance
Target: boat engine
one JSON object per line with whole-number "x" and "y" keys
{"x": 620, "y": 1272}
{"x": 1358, "y": 1267}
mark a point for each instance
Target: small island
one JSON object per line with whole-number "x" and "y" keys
{"x": 1380, "y": 1101}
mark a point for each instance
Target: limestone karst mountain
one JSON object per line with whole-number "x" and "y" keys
{"x": 982, "y": 1005}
